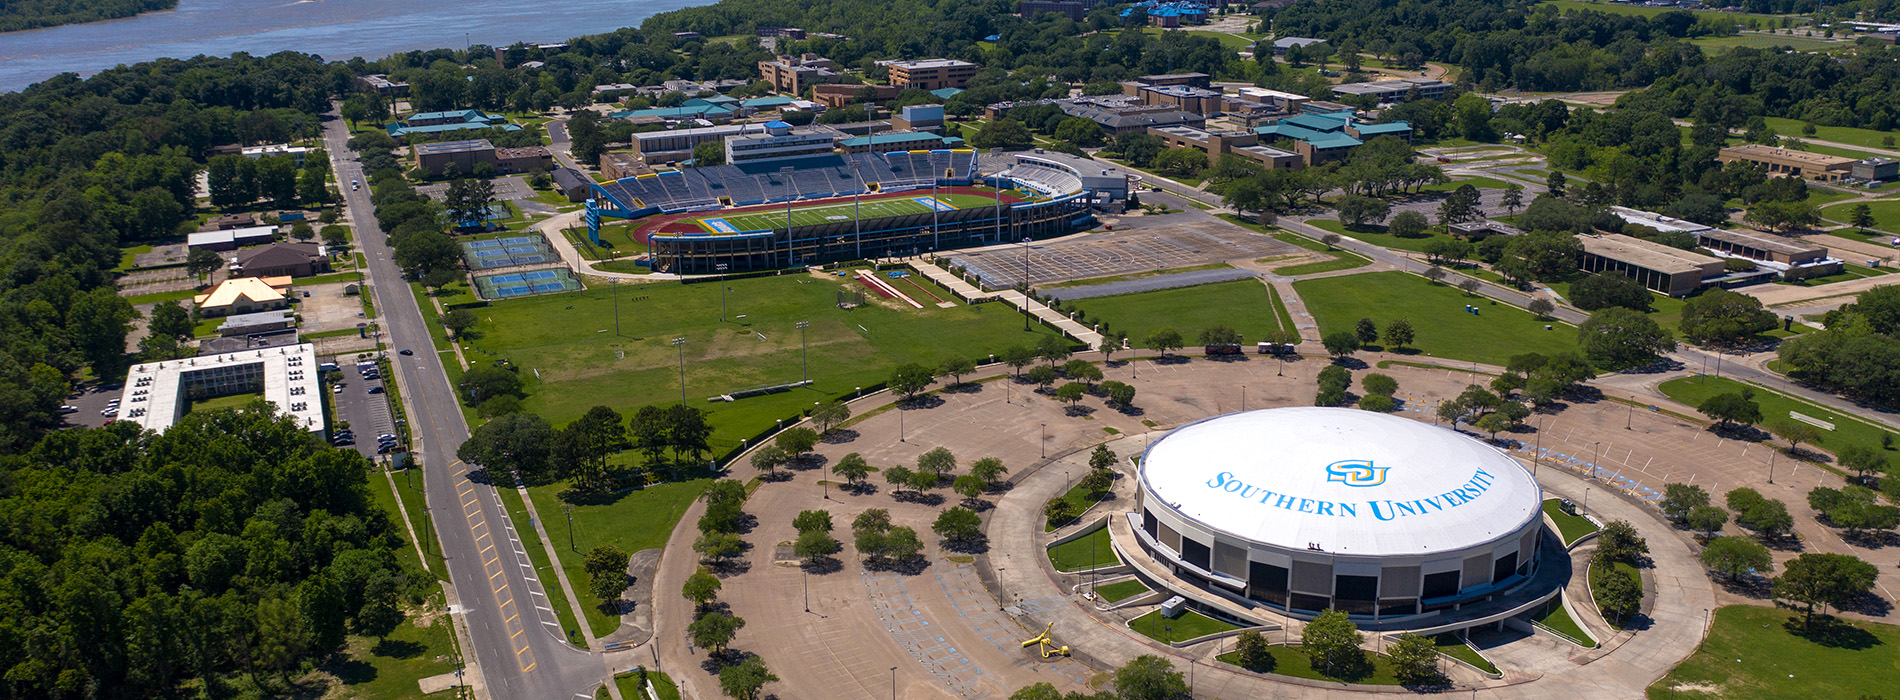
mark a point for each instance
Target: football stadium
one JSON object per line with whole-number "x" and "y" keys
{"x": 1309, "y": 509}
{"x": 812, "y": 210}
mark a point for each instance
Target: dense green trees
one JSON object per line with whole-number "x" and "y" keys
{"x": 1858, "y": 354}
{"x": 49, "y": 13}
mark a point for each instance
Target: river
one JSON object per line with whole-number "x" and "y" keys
{"x": 334, "y": 29}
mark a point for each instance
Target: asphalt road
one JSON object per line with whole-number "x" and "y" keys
{"x": 516, "y": 638}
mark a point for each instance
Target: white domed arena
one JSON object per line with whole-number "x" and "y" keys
{"x": 1308, "y": 509}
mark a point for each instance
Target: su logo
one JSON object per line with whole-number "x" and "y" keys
{"x": 1355, "y": 472}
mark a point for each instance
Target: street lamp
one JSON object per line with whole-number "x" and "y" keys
{"x": 1025, "y": 287}
{"x": 681, "y": 344}
{"x": 893, "y": 683}
{"x": 802, "y": 357}
{"x": 569, "y": 510}
{"x": 1044, "y": 442}
{"x": 1596, "y": 466}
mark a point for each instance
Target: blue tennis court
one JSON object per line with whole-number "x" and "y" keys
{"x": 521, "y": 284}
{"x": 510, "y": 251}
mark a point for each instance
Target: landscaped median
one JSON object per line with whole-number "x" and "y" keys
{"x": 1761, "y": 653}
{"x": 1294, "y": 661}
{"x": 1555, "y": 618}
{"x": 1847, "y": 430}
{"x": 1190, "y": 625}
{"x": 1570, "y": 527}
{"x": 1090, "y": 551}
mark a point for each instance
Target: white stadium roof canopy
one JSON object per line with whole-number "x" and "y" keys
{"x": 1341, "y": 480}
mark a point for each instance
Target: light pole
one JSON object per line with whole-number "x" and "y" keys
{"x": 1243, "y": 398}
{"x": 1025, "y": 287}
{"x": 1044, "y": 442}
{"x": 900, "y": 420}
{"x": 722, "y": 302}
{"x": 807, "y": 591}
{"x": 616, "y": 283}
{"x": 681, "y": 344}
{"x": 1771, "y": 465}
{"x": 1630, "y": 419}
{"x": 1596, "y": 469}
{"x": 802, "y": 357}
{"x": 569, "y": 510}
{"x": 893, "y": 683}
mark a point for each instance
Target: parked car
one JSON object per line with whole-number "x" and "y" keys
{"x": 376, "y": 389}
{"x": 405, "y": 351}
{"x": 68, "y": 409}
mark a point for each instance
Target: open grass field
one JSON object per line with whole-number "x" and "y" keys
{"x": 1243, "y": 305}
{"x": 1121, "y": 590}
{"x": 1570, "y": 527}
{"x": 920, "y": 203}
{"x": 1188, "y": 626}
{"x": 1886, "y": 213}
{"x": 1087, "y": 552}
{"x": 388, "y": 668}
{"x": 1437, "y": 313}
{"x": 1641, "y": 11}
{"x": 1797, "y": 41}
{"x": 1838, "y": 134}
{"x": 1376, "y": 235}
{"x": 572, "y": 359}
{"x": 1692, "y": 391}
{"x": 1293, "y": 661}
{"x": 1750, "y": 655}
{"x": 631, "y": 520}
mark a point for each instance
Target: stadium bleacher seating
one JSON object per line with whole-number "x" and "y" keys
{"x": 1047, "y": 179}
{"x": 806, "y": 178}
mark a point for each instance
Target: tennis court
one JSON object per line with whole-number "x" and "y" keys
{"x": 490, "y": 253}
{"x": 844, "y": 211}
{"x": 521, "y": 284}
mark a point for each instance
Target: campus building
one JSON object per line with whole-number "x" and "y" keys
{"x": 1322, "y": 138}
{"x": 1875, "y": 169}
{"x": 615, "y": 165}
{"x": 1186, "y": 98}
{"x": 898, "y": 141}
{"x": 463, "y": 156}
{"x": 1214, "y": 143}
{"x": 523, "y": 160}
{"x": 1820, "y": 167}
{"x": 1134, "y": 86}
{"x": 442, "y": 122}
{"x": 791, "y": 74}
{"x": 1075, "y": 11}
{"x": 1663, "y": 269}
{"x": 779, "y": 141}
{"x": 230, "y": 239}
{"x": 384, "y": 86}
{"x": 1284, "y": 44}
{"x": 918, "y": 118}
{"x": 157, "y": 393}
{"x": 677, "y": 145}
{"x": 1396, "y": 90}
{"x": 1310, "y": 509}
{"x": 281, "y": 260}
{"x": 243, "y": 295}
{"x": 836, "y": 96}
{"x": 930, "y": 73}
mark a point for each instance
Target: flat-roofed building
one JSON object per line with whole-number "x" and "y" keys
{"x": 781, "y": 141}
{"x": 791, "y": 74}
{"x": 1272, "y": 99}
{"x": 1245, "y": 144}
{"x": 1125, "y": 116}
{"x": 296, "y": 153}
{"x": 896, "y": 141}
{"x": 524, "y": 159}
{"x": 157, "y": 393}
{"x": 1398, "y": 90}
{"x": 1659, "y": 267}
{"x": 931, "y": 73}
{"x": 1656, "y": 221}
{"x": 434, "y": 158}
{"x": 1186, "y": 98}
{"x": 384, "y": 86}
{"x": 678, "y": 144}
{"x": 230, "y": 239}
{"x": 1757, "y": 245}
{"x": 1133, "y": 86}
{"x": 1875, "y": 168}
{"x": 1482, "y": 229}
{"x": 1075, "y": 11}
{"x": 257, "y": 323}
{"x": 1284, "y": 44}
{"x": 615, "y": 165}
{"x": 919, "y": 118}
{"x": 1781, "y": 161}
{"x": 1321, "y": 138}
{"x": 836, "y": 96}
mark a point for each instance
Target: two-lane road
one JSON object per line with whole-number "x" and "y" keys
{"x": 516, "y": 638}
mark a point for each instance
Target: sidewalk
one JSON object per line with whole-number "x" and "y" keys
{"x": 956, "y": 284}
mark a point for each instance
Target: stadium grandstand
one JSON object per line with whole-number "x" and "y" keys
{"x": 733, "y": 218}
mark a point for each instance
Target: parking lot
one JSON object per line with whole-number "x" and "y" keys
{"x": 363, "y": 404}
{"x": 1189, "y": 238}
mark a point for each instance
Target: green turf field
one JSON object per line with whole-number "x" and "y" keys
{"x": 1848, "y": 430}
{"x": 1437, "y": 312}
{"x": 572, "y": 359}
{"x": 1243, "y": 305}
{"x": 1750, "y": 654}
{"x": 812, "y": 216}
{"x": 1886, "y": 213}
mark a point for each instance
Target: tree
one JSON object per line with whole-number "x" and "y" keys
{"x": 1111, "y": 343}
{"x": 813, "y": 545}
{"x": 1435, "y": 274}
{"x": 969, "y": 487}
{"x": 1219, "y": 336}
{"x": 1058, "y": 511}
{"x": 988, "y": 469}
{"x": 809, "y": 520}
{"x": 1607, "y": 289}
{"x": 958, "y": 524}
{"x": 1006, "y": 134}
{"x": 1723, "y": 317}
{"x": 170, "y": 320}
{"x": 1018, "y": 357}
{"x": 1357, "y": 210}
{"x": 1080, "y": 131}
{"x": 277, "y": 180}
{"x": 955, "y": 368}
{"x": 1332, "y": 642}
{"x": 606, "y": 568}
{"x": 1555, "y": 183}
{"x": 1181, "y": 162}
{"x": 1616, "y": 593}
{"x": 1164, "y": 340}
{"x": 1366, "y": 331}
{"x": 1617, "y": 337}
{"x": 1732, "y": 407}
{"x": 1861, "y": 216}
{"x": 481, "y": 383}
{"x": 515, "y": 443}
{"x": 830, "y": 415}
{"x": 1619, "y": 541}
{"x": 1817, "y": 579}
{"x": 742, "y": 681}
{"x": 1053, "y": 349}
{"x": 937, "y": 462}
{"x": 1862, "y": 459}
{"x": 901, "y": 544}
{"x": 1541, "y": 307}
{"x": 458, "y": 322}
{"x": 701, "y": 588}
{"x": 1414, "y": 659}
{"x": 1707, "y": 519}
{"x": 1251, "y": 646}
{"x": 202, "y": 262}
{"x": 1398, "y": 333}
{"x": 718, "y": 546}
{"x": 1341, "y": 343}
{"x": 1797, "y": 432}
{"x": 1330, "y": 240}
{"x": 1102, "y": 458}
{"x": 898, "y": 477}
{"x": 1119, "y": 393}
{"x": 796, "y": 442}
{"x": 1679, "y": 499}
{"x": 1735, "y": 557}
{"x": 852, "y": 467}
{"x": 714, "y": 630}
{"x": 1083, "y": 370}
{"x": 1071, "y": 393}
{"x": 1408, "y": 224}
{"x": 1513, "y": 198}
{"x": 1149, "y": 677}
{"x": 910, "y": 378}
{"x": 1042, "y": 376}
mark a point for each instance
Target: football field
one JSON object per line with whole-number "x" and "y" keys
{"x": 920, "y": 202}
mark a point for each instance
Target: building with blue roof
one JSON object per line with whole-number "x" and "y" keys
{"x": 946, "y": 93}
{"x": 456, "y": 120}
{"x": 1320, "y": 138}
{"x": 899, "y": 141}
{"x": 774, "y": 102}
{"x": 705, "y": 110}
{"x": 1169, "y": 13}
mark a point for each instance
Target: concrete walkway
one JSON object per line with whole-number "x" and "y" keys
{"x": 1012, "y": 297}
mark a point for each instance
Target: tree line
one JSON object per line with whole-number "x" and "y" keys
{"x": 34, "y": 14}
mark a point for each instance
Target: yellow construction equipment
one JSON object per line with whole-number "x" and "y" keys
{"x": 1044, "y": 645}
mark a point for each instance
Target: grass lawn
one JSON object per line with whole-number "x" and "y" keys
{"x": 389, "y": 668}
{"x": 1638, "y": 10}
{"x": 128, "y": 257}
{"x": 1849, "y": 271}
{"x": 1450, "y": 645}
{"x": 632, "y": 689}
{"x": 1886, "y": 213}
{"x": 571, "y": 359}
{"x": 1188, "y": 626}
{"x": 1838, "y": 134}
{"x": 1692, "y": 391}
{"x": 632, "y": 521}
{"x": 1121, "y": 590}
{"x": 1342, "y": 260}
{"x": 1437, "y": 313}
{"x": 160, "y": 297}
{"x": 1376, "y": 235}
{"x": 908, "y": 205}
{"x": 1135, "y": 276}
{"x": 1078, "y": 499}
{"x": 328, "y": 279}
{"x": 412, "y": 503}
{"x": 1243, "y": 305}
{"x": 1088, "y": 552}
{"x": 1622, "y": 569}
{"x": 222, "y": 403}
{"x": 1557, "y": 618}
{"x": 1853, "y": 659}
{"x": 1570, "y": 527}
{"x": 1293, "y": 661}
{"x": 1797, "y": 41}
{"x": 1482, "y": 183}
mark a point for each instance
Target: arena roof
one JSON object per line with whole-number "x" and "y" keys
{"x": 1340, "y": 480}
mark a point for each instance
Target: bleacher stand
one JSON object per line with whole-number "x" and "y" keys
{"x": 808, "y": 178}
